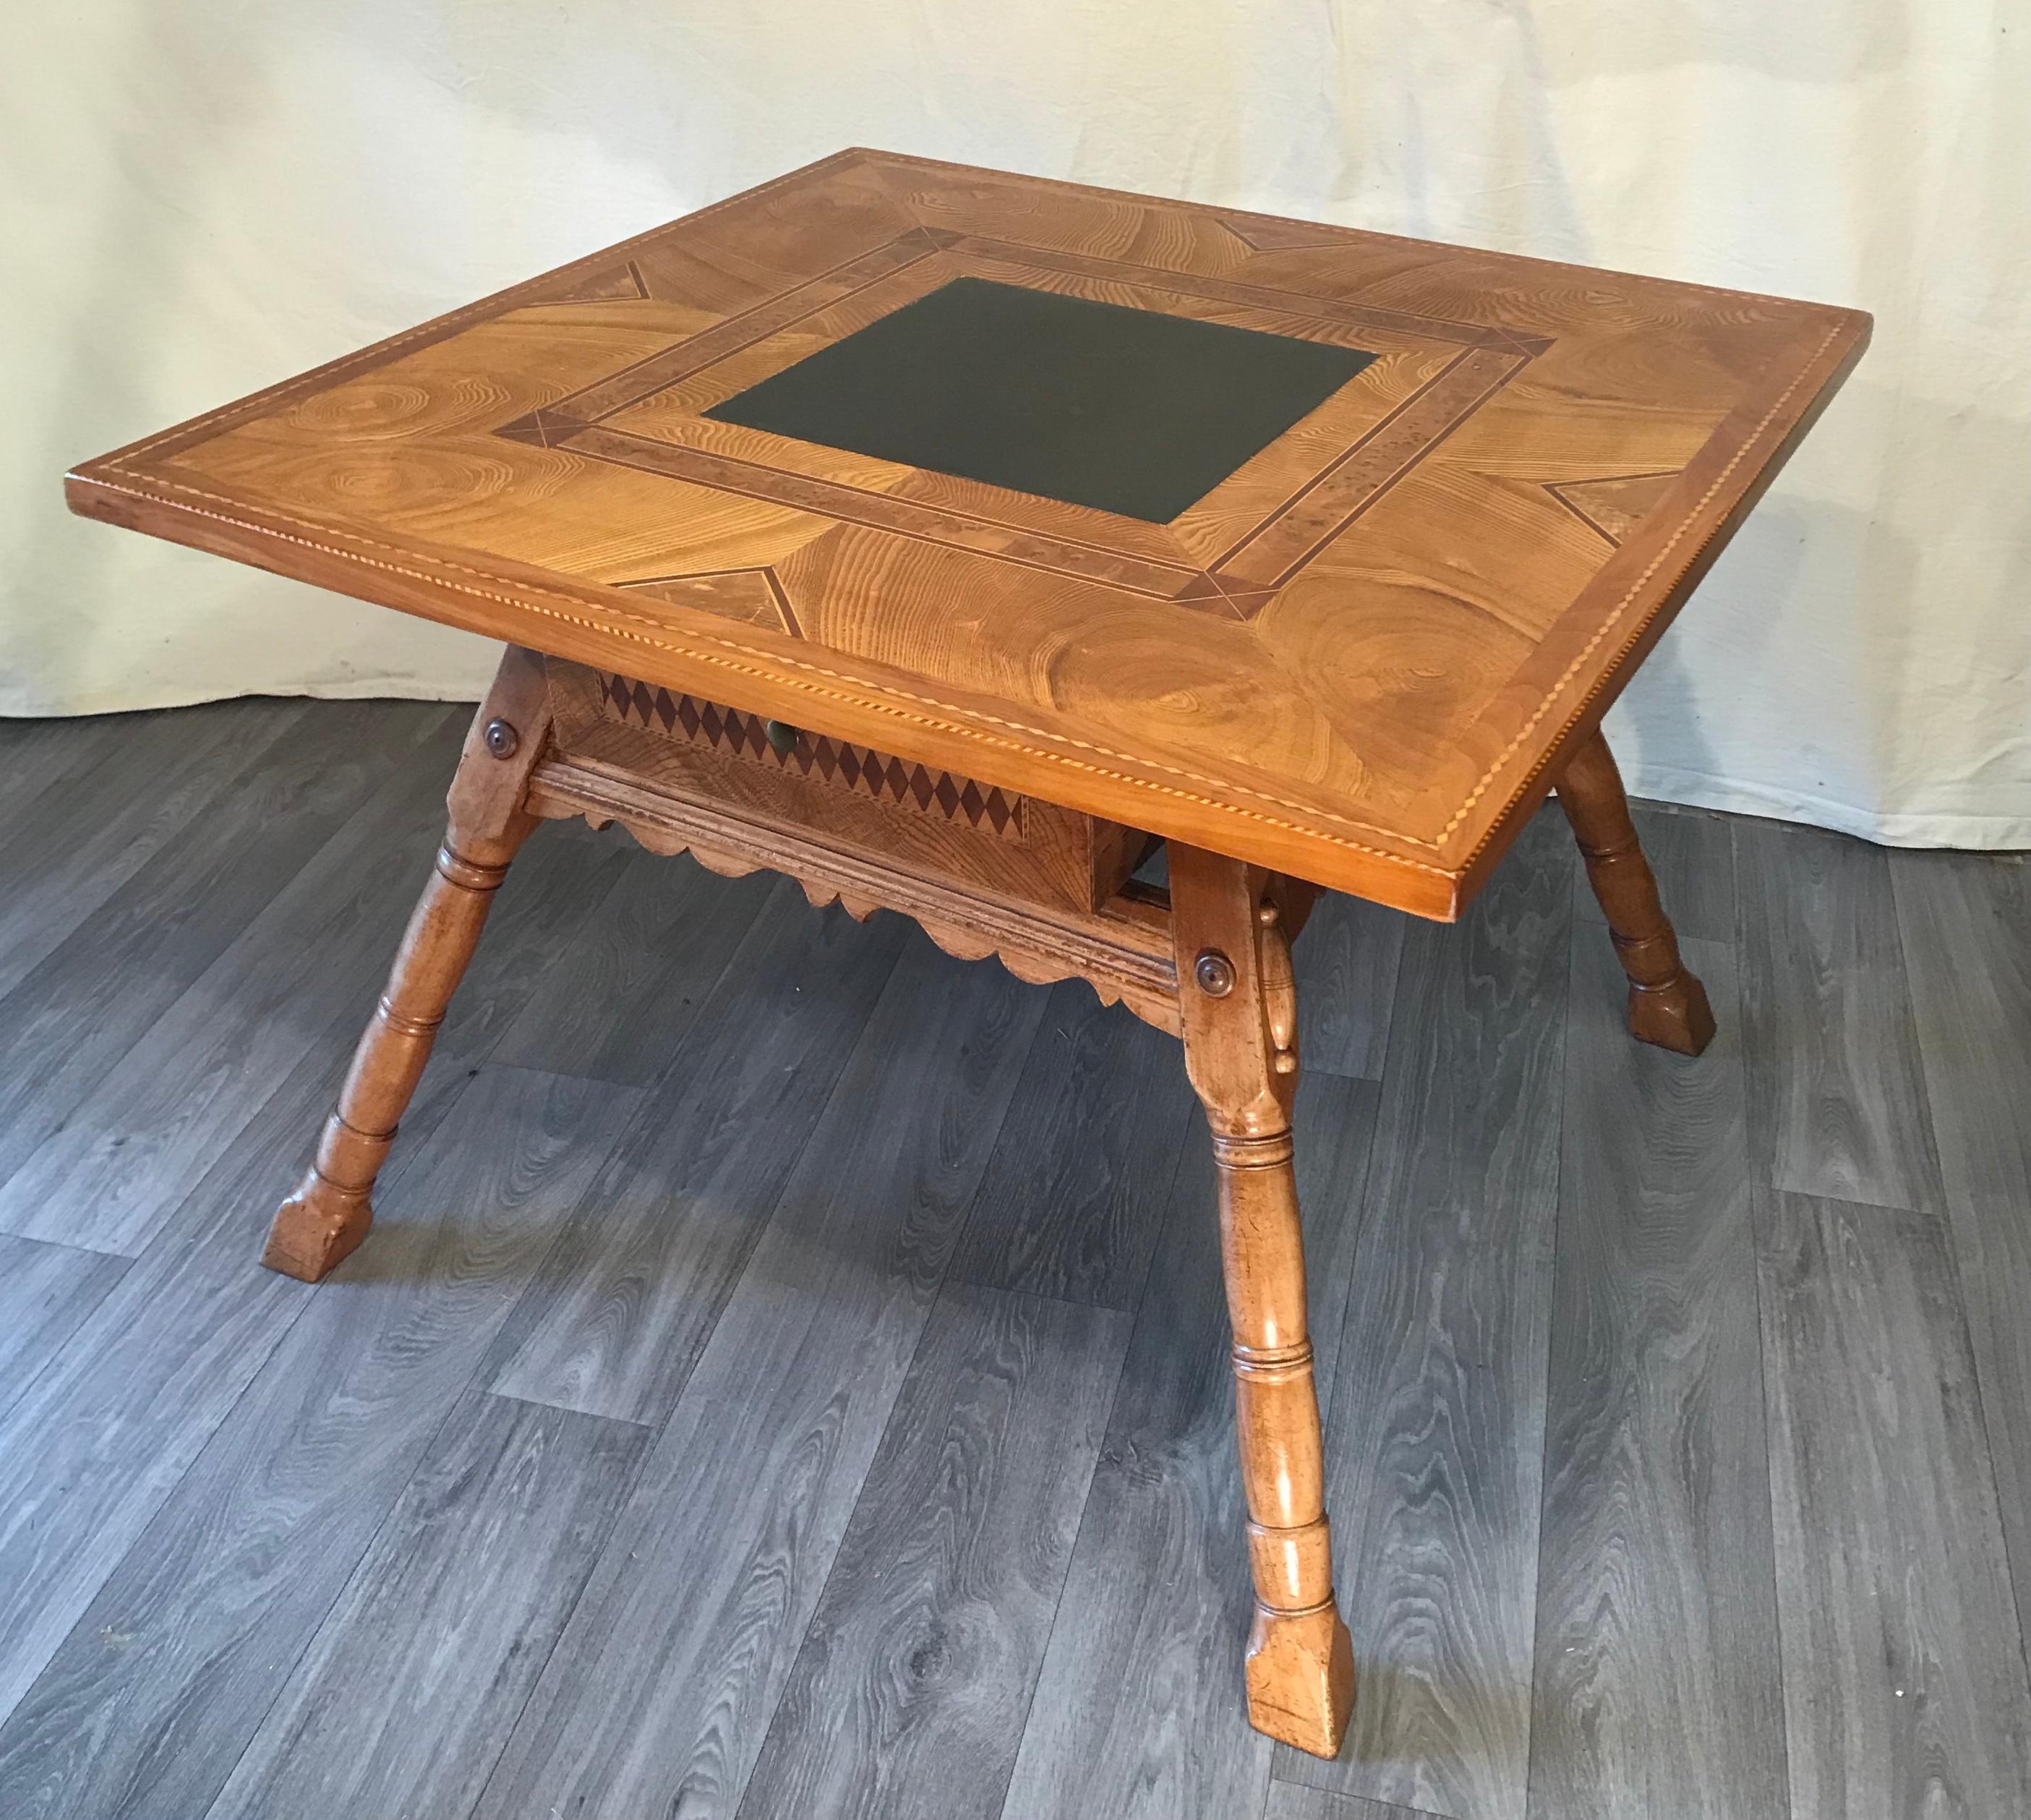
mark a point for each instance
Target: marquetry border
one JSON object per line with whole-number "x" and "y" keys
{"x": 1517, "y": 743}
{"x": 1253, "y": 565}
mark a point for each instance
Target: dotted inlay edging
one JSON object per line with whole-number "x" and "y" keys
{"x": 771, "y": 665}
{"x": 776, "y": 662}
{"x": 1609, "y": 625}
{"x": 859, "y": 769}
{"x": 466, "y": 315}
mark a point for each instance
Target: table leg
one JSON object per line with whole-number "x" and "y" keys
{"x": 1667, "y": 1005}
{"x": 1239, "y": 1006}
{"x": 329, "y": 1214}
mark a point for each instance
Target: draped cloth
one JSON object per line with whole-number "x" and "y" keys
{"x": 198, "y": 199}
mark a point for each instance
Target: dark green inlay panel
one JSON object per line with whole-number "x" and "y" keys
{"x": 1128, "y": 411}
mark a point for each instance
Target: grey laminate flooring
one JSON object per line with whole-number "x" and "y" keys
{"x": 788, "y": 1375}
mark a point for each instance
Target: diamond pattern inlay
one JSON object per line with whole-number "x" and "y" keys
{"x": 859, "y": 769}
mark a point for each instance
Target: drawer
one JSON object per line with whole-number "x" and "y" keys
{"x": 850, "y": 796}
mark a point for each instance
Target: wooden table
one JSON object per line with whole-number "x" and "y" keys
{"x": 946, "y": 539}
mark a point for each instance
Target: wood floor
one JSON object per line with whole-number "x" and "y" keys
{"x": 788, "y": 1375}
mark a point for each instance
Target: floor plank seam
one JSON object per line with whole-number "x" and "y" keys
{"x": 594, "y": 1559}
{"x": 1050, "y": 1631}
{"x": 161, "y": 1504}
{"x": 648, "y": 1428}
{"x": 765, "y": 1730}
{"x": 1759, "y": 1190}
{"x": 471, "y": 1389}
{"x": 21, "y": 1383}
{"x": 1758, "y": 1236}
{"x": 1364, "y": 1208}
{"x": 280, "y": 1682}
{"x": 167, "y": 1232}
{"x": 647, "y": 1456}
{"x": 1078, "y": 1529}
{"x": 1384, "y": 1810}
{"x": 1893, "y": 1136}
{"x": 1531, "y": 1758}
{"x": 375, "y": 797}
{"x": 595, "y": 1556}
{"x": 1985, "y": 1393}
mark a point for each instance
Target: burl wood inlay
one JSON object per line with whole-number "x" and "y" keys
{"x": 1439, "y": 505}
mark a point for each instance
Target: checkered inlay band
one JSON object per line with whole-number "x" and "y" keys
{"x": 984, "y": 806}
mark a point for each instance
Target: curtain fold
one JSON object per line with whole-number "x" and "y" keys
{"x": 201, "y": 198}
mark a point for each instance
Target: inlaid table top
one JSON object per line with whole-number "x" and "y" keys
{"x": 1313, "y": 547}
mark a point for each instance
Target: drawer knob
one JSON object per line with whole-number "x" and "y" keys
{"x": 782, "y": 735}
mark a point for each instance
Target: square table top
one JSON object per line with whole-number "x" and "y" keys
{"x": 1316, "y": 548}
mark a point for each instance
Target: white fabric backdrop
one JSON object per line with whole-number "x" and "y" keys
{"x": 202, "y": 197}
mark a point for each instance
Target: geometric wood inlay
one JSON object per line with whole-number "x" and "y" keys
{"x": 753, "y": 596}
{"x": 1232, "y": 573}
{"x": 1613, "y": 507}
{"x": 1133, "y": 411}
{"x": 1357, "y": 658}
{"x": 859, "y": 769}
{"x": 606, "y": 287}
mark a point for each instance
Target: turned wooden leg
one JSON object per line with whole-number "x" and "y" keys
{"x": 1239, "y": 1007}
{"x": 329, "y": 1214}
{"x": 1667, "y": 1005}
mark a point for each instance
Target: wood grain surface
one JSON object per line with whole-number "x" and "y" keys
{"x": 75, "y": 1016}
{"x": 42, "y": 753}
{"x": 615, "y": 997}
{"x": 1073, "y": 1204}
{"x": 453, "y": 1611}
{"x": 1135, "y": 1712}
{"x": 717, "y": 1562}
{"x": 1656, "y": 1687}
{"x": 1347, "y": 964}
{"x": 1289, "y": 1801}
{"x": 932, "y": 1623}
{"x": 1905, "y": 1680}
{"x": 238, "y": 1569}
{"x": 1357, "y": 659}
{"x": 1667, "y": 1004}
{"x": 65, "y": 866}
{"x": 1963, "y": 919}
{"x": 99, "y": 1439}
{"x": 1691, "y": 853}
{"x": 615, "y": 1322}
{"x": 1434, "y": 1457}
{"x": 1540, "y": 1417}
{"x": 1836, "y": 1090}
{"x": 45, "y": 1293}
{"x": 156, "y": 1121}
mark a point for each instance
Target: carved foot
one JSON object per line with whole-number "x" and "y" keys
{"x": 1675, "y": 1015}
{"x": 1301, "y": 1678}
{"x": 316, "y": 1229}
